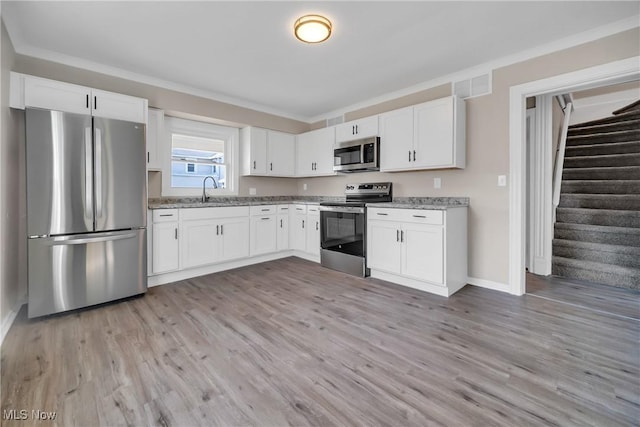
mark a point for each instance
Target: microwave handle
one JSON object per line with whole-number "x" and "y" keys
{"x": 362, "y": 154}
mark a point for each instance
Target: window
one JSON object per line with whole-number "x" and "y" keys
{"x": 199, "y": 150}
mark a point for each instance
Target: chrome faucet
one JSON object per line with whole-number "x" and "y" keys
{"x": 204, "y": 192}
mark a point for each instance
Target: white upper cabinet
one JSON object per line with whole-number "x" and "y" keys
{"x": 53, "y": 95}
{"x": 120, "y": 107}
{"x": 425, "y": 136}
{"x": 267, "y": 152}
{"x": 281, "y": 154}
{"x": 30, "y": 91}
{"x": 356, "y": 129}
{"x": 155, "y": 133}
{"x": 315, "y": 152}
{"x": 254, "y": 151}
{"x": 396, "y": 139}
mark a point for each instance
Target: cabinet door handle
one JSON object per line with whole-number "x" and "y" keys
{"x": 270, "y": 166}
{"x": 221, "y": 230}
{"x": 95, "y": 102}
{"x": 265, "y": 210}
{"x": 87, "y": 100}
{"x": 397, "y": 235}
{"x": 147, "y": 157}
{"x": 263, "y": 218}
{"x": 401, "y": 236}
{"x": 176, "y": 233}
{"x": 303, "y": 223}
{"x": 409, "y": 155}
{"x": 356, "y": 129}
{"x": 317, "y": 225}
{"x": 280, "y": 223}
{"x": 166, "y": 214}
{"x": 217, "y": 230}
{"x": 414, "y": 155}
{"x": 353, "y": 130}
{"x": 379, "y": 213}
{"x": 419, "y": 216}
{"x": 254, "y": 164}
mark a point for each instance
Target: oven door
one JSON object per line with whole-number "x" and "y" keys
{"x": 342, "y": 229}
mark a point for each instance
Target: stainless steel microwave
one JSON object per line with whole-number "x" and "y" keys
{"x": 357, "y": 156}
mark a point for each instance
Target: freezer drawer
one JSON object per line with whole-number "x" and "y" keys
{"x": 69, "y": 272}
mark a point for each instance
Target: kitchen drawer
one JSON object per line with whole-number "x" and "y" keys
{"x": 213, "y": 213}
{"x": 284, "y": 209}
{"x": 313, "y": 209}
{"x": 165, "y": 215}
{"x": 263, "y": 210}
{"x": 434, "y": 217}
{"x": 300, "y": 209}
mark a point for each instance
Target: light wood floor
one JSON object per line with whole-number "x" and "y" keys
{"x": 291, "y": 343}
{"x": 594, "y": 296}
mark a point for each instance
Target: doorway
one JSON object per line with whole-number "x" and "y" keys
{"x": 615, "y": 72}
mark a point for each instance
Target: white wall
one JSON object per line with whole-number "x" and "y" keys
{"x": 12, "y": 202}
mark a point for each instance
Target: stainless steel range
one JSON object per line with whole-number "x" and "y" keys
{"x": 343, "y": 227}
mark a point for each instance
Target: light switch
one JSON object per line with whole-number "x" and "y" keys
{"x": 437, "y": 182}
{"x": 252, "y": 191}
{"x": 502, "y": 180}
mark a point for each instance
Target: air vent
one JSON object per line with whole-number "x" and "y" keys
{"x": 335, "y": 121}
{"x": 474, "y": 86}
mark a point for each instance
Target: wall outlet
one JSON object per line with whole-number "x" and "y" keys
{"x": 437, "y": 182}
{"x": 252, "y": 191}
{"x": 304, "y": 186}
{"x": 502, "y": 180}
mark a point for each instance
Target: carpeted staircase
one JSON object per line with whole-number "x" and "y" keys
{"x": 597, "y": 230}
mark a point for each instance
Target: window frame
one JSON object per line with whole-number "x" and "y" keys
{"x": 229, "y": 135}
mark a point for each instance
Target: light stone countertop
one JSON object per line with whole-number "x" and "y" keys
{"x": 432, "y": 203}
{"x": 429, "y": 203}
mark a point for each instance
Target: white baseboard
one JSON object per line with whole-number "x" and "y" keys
{"x": 175, "y": 276}
{"x": 9, "y": 318}
{"x": 489, "y": 284}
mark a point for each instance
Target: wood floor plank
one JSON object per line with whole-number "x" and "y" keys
{"x": 289, "y": 342}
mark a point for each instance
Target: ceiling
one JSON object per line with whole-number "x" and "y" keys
{"x": 245, "y": 53}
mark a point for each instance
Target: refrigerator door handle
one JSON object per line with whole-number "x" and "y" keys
{"x": 98, "y": 170}
{"x": 83, "y": 239}
{"x": 88, "y": 174}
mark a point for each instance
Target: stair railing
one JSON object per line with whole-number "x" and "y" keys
{"x": 559, "y": 161}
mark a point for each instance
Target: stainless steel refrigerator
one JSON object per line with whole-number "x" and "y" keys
{"x": 86, "y": 210}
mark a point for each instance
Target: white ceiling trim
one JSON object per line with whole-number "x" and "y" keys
{"x": 23, "y": 48}
{"x": 564, "y": 43}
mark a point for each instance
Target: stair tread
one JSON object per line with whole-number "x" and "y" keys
{"x": 601, "y": 196}
{"x": 612, "y": 212}
{"x": 606, "y": 156}
{"x": 597, "y": 266}
{"x": 631, "y": 115}
{"x": 597, "y": 228}
{"x": 605, "y": 127}
{"x": 571, "y": 150}
{"x": 601, "y": 247}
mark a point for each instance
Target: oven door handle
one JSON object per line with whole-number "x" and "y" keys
{"x": 344, "y": 209}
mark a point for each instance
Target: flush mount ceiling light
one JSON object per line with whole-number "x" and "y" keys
{"x": 312, "y": 29}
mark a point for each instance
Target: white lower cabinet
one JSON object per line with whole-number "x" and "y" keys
{"x": 165, "y": 246}
{"x": 313, "y": 230}
{"x": 305, "y": 229}
{"x": 298, "y": 236}
{"x": 211, "y": 235}
{"x": 282, "y": 224}
{"x": 423, "y": 249}
{"x": 264, "y": 230}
